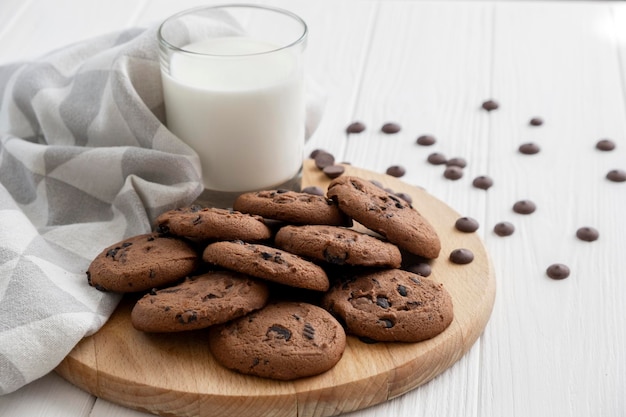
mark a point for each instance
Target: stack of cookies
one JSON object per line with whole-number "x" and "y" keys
{"x": 283, "y": 277}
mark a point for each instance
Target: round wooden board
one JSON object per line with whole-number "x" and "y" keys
{"x": 176, "y": 375}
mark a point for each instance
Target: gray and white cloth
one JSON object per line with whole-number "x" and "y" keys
{"x": 85, "y": 161}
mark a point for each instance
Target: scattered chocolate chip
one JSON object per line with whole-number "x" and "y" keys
{"x": 453, "y": 172}
{"x": 437, "y": 158}
{"x": 466, "y": 224}
{"x": 313, "y": 189}
{"x": 391, "y": 128}
{"x": 536, "y": 121}
{"x": 421, "y": 268}
{"x": 483, "y": 182}
{"x": 558, "y": 271}
{"x": 396, "y": 171}
{"x": 426, "y": 140}
{"x": 605, "y": 145}
{"x": 461, "y": 256}
{"x": 504, "y": 229}
{"x": 588, "y": 234}
{"x": 355, "y": 127}
{"x": 490, "y": 105}
{"x": 524, "y": 207}
{"x": 334, "y": 171}
{"x": 316, "y": 152}
{"x": 456, "y": 162}
{"x": 616, "y": 175}
{"x": 324, "y": 159}
{"x": 529, "y": 148}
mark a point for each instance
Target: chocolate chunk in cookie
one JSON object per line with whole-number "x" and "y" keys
{"x": 213, "y": 224}
{"x": 267, "y": 263}
{"x": 391, "y": 306}
{"x": 338, "y": 246}
{"x": 141, "y": 263}
{"x": 199, "y": 302}
{"x": 291, "y": 207}
{"x": 385, "y": 213}
{"x": 284, "y": 341}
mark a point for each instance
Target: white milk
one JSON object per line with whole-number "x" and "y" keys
{"x": 243, "y": 115}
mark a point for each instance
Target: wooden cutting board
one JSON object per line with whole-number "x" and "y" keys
{"x": 175, "y": 375}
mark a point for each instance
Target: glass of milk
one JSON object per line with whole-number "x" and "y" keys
{"x": 234, "y": 92}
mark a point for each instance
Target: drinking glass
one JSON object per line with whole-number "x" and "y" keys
{"x": 233, "y": 86}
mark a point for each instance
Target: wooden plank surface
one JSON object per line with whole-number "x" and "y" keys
{"x": 573, "y": 79}
{"x": 552, "y": 348}
{"x": 42, "y": 26}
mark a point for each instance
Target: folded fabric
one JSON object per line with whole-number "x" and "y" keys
{"x": 85, "y": 161}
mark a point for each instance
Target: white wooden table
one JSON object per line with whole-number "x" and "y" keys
{"x": 551, "y": 348}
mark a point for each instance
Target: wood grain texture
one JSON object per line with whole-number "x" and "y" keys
{"x": 570, "y": 77}
{"x": 41, "y": 28}
{"x": 165, "y": 374}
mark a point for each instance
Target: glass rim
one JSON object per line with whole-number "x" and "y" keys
{"x": 279, "y": 10}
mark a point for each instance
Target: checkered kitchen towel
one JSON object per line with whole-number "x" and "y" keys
{"x": 85, "y": 161}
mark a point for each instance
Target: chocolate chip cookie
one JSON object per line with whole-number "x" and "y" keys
{"x": 141, "y": 263}
{"x": 284, "y": 341}
{"x": 267, "y": 263}
{"x": 391, "y": 306}
{"x": 291, "y": 207}
{"x": 385, "y": 213}
{"x": 199, "y": 302}
{"x": 213, "y": 224}
{"x": 338, "y": 246}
